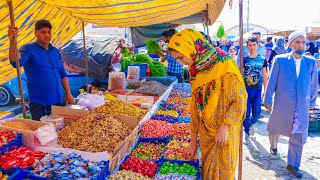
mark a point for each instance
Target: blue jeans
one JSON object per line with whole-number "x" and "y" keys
{"x": 39, "y": 110}
{"x": 254, "y": 106}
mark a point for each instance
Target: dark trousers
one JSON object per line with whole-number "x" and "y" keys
{"x": 254, "y": 107}
{"x": 39, "y": 110}
{"x": 178, "y": 75}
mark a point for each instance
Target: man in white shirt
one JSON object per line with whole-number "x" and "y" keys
{"x": 294, "y": 84}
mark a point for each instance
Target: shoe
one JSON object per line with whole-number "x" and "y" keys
{"x": 274, "y": 151}
{"x": 294, "y": 171}
{"x": 246, "y": 139}
{"x": 252, "y": 131}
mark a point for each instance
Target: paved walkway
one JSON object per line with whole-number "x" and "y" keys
{"x": 259, "y": 164}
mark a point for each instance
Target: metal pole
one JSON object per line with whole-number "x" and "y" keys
{"x": 241, "y": 69}
{"x": 248, "y": 27}
{"x": 85, "y": 56}
{"x": 14, "y": 42}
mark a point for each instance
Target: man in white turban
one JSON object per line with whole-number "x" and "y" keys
{"x": 294, "y": 83}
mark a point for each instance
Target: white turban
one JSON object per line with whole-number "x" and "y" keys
{"x": 296, "y": 34}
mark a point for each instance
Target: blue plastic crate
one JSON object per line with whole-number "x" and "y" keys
{"x": 11, "y": 172}
{"x": 100, "y": 176}
{"x": 15, "y": 144}
{"x": 152, "y": 140}
{"x": 192, "y": 163}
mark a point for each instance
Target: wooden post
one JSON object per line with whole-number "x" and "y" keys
{"x": 241, "y": 69}
{"x": 85, "y": 57}
{"x": 14, "y": 41}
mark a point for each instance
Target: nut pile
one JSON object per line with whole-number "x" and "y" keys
{"x": 121, "y": 108}
{"x": 17, "y": 125}
{"x": 156, "y": 129}
{"x": 125, "y": 175}
{"x": 109, "y": 97}
{"x": 119, "y": 91}
{"x": 94, "y": 133}
{"x": 141, "y": 100}
{"x": 61, "y": 166}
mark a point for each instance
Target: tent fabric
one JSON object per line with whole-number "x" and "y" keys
{"x": 66, "y": 18}
{"x": 99, "y": 54}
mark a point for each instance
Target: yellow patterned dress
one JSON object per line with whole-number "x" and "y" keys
{"x": 218, "y": 97}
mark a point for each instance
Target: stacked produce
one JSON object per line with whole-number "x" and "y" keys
{"x": 109, "y": 97}
{"x": 148, "y": 151}
{"x": 125, "y": 175}
{"x": 61, "y": 166}
{"x": 21, "y": 157}
{"x": 156, "y": 129}
{"x": 176, "y": 148}
{"x": 17, "y": 125}
{"x": 158, "y": 69}
{"x": 94, "y": 133}
{"x": 121, "y": 108}
{"x": 144, "y": 167}
{"x": 173, "y": 169}
{"x": 153, "y": 47}
{"x": 6, "y": 137}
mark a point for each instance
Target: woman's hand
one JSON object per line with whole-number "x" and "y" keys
{"x": 191, "y": 150}
{"x": 222, "y": 136}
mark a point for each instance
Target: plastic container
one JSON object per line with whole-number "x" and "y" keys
{"x": 133, "y": 72}
{"x": 143, "y": 69}
{"x": 168, "y": 80}
{"x": 57, "y": 121}
{"x": 116, "y": 78}
{"x": 15, "y": 144}
{"x": 11, "y": 172}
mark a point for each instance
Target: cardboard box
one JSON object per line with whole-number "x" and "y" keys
{"x": 29, "y": 138}
{"x": 71, "y": 115}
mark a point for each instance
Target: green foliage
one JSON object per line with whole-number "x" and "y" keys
{"x": 142, "y": 59}
{"x": 221, "y": 33}
{"x": 125, "y": 62}
{"x": 158, "y": 69}
{"x": 153, "y": 47}
{"x": 126, "y": 53}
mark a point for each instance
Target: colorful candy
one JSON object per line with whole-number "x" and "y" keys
{"x": 176, "y": 148}
{"x": 184, "y": 169}
{"x": 156, "y": 129}
{"x": 174, "y": 176}
{"x": 181, "y": 131}
{"x": 61, "y": 166}
{"x": 185, "y": 119}
{"x": 94, "y": 133}
{"x": 144, "y": 167}
{"x": 125, "y": 175}
{"x": 6, "y": 137}
{"x": 21, "y": 157}
{"x": 169, "y": 119}
{"x": 149, "y": 151}
{"x": 167, "y": 113}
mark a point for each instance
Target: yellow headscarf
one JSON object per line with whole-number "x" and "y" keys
{"x": 210, "y": 63}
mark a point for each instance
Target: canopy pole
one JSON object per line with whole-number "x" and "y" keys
{"x": 241, "y": 69}
{"x": 14, "y": 41}
{"x": 85, "y": 56}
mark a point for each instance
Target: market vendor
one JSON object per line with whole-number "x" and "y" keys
{"x": 218, "y": 103}
{"x": 174, "y": 68}
{"x": 43, "y": 68}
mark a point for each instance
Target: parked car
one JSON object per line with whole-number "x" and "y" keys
{"x": 9, "y": 91}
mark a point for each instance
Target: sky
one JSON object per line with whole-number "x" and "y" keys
{"x": 275, "y": 14}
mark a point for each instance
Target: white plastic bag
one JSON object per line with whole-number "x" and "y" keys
{"x": 91, "y": 101}
{"x": 46, "y": 133}
{"x": 57, "y": 121}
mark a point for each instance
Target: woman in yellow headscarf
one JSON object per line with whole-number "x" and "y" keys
{"x": 218, "y": 103}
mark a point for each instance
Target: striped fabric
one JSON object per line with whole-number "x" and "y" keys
{"x": 66, "y": 17}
